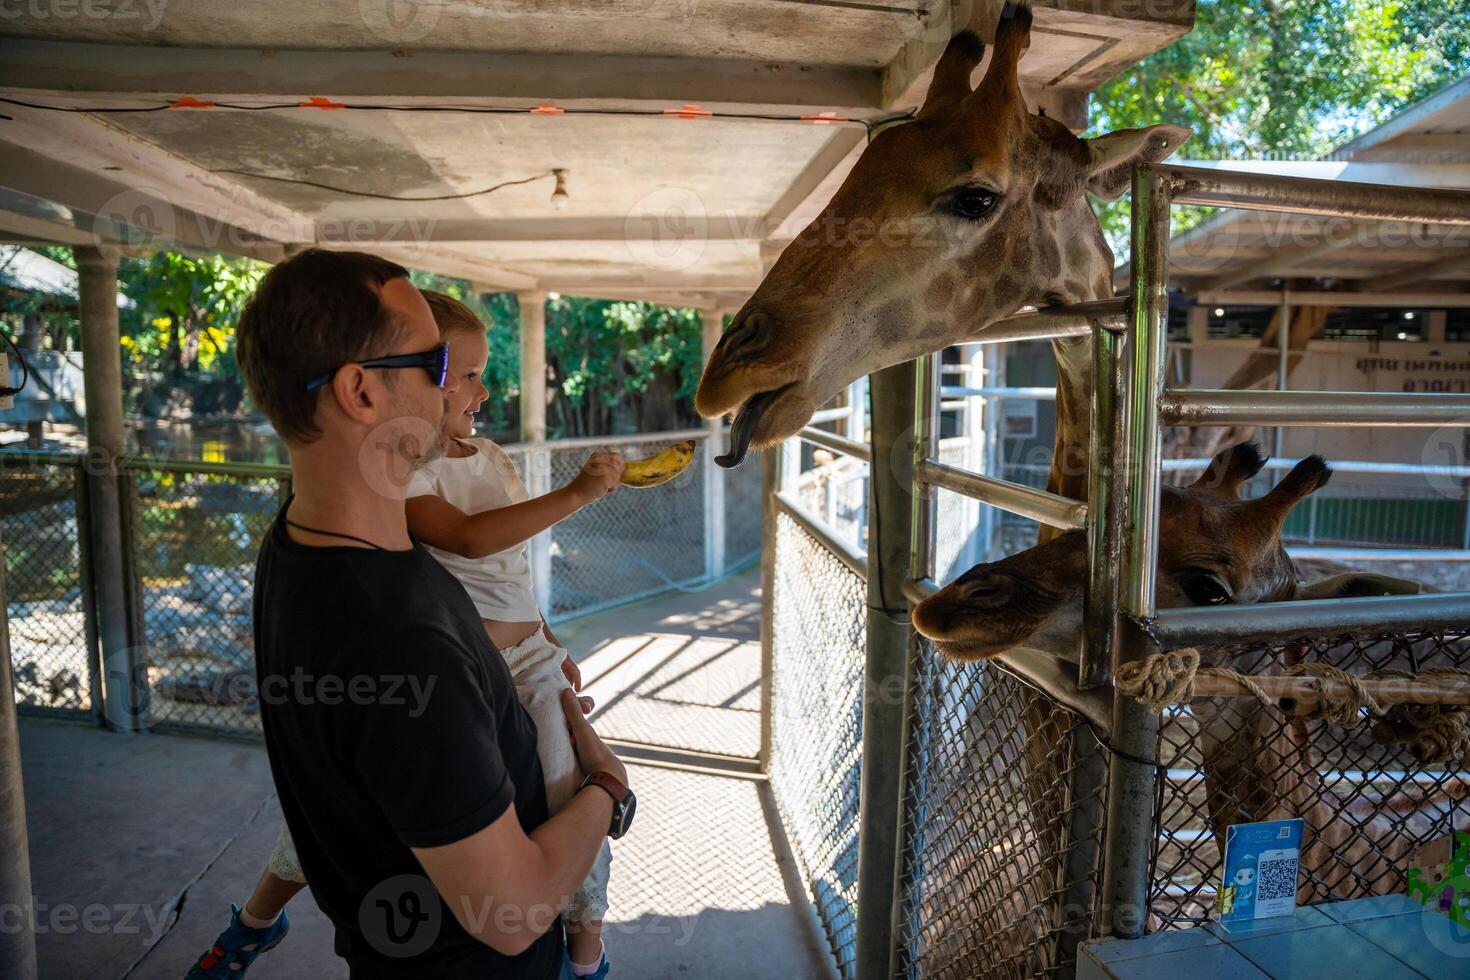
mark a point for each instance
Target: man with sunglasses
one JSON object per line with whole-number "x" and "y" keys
{"x": 406, "y": 768}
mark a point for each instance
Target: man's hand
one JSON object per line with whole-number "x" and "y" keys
{"x": 598, "y": 478}
{"x": 592, "y": 751}
{"x": 573, "y": 675}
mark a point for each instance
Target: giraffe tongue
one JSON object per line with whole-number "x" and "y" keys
{"x": 744, "y": 428}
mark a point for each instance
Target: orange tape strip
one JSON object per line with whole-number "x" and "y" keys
{"x": 189, "y": 102}
{"x": 547, "y": 109}
{"x": 824, "y": 118}
{"x": 317, "y": 102}
{"x": 688, "y": 111}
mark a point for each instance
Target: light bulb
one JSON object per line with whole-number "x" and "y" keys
{"x": 1409, "y": 315}
{"x": 560, "y": 197}
{"x": 1219, "y": 311}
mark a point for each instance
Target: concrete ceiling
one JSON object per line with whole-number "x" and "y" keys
{"x": 438, "y": 100}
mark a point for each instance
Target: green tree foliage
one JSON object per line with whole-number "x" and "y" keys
{"x": 1285, "y": 79}
{"x": 178, "y": 337}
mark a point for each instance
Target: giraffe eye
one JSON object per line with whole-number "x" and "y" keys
{"x": 973, "y": 203}
{"x": 1204, "y": 589}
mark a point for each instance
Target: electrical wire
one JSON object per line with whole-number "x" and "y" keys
{"x": 25, "y": 370}
{"x": 383, "y": 197}
{"x": 812, "y": 119}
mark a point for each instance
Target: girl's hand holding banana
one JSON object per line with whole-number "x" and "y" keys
{"x": 599, "y": 477}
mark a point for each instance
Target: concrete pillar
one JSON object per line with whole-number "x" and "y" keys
{"x": 533, "y": 430}
{"x": 18, "y": 950}
{"x": 1434, "y": 327}
{"x": 712, "y": 322}
{"x": 1198, "y": 321}
{"x": 125, "y": 688}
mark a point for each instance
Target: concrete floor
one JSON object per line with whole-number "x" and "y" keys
{"x": 139, "y": 843}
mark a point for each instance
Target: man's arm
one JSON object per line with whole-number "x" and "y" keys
{"x": 505, "y": 887}
{"x": 440, "y": 524}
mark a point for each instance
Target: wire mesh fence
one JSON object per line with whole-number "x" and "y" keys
{"x": 634, "y": 542}
{"x": 1004, "y": 812}
{"x": 42, "y": 524}
{"x": 816, "y": 724}
{"x": 1368, "y": 801}
{"x": 194, "y": 532}
{"x": 195, "y": 536}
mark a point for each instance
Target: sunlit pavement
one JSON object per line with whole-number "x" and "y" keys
{"x": 127, "y": 829}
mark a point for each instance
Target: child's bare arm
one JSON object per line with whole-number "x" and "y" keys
{"x": 440, "y": 524}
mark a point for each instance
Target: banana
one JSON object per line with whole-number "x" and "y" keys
{"x": 659, "y": 468}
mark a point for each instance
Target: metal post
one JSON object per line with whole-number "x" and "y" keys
{"x": 712, "y": 323}
{"x": 770, "y": 484}
{"x": 1104, "y": 509}
{"x": 887, "y": 684}
{"x": 533, "y": 430}
{"x": 124, "y": 683}
{"x": 18, "y": 951}
{"x": 1283, "y": 346}
{"x": 926, "y": 448}
{"x": 1135, "y": 729}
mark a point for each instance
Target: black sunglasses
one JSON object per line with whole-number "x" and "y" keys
{"x": 435, "y": 361}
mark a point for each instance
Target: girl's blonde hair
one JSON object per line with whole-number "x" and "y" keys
{"x": 451, "y": 315}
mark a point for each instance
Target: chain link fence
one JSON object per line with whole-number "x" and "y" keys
{"x": 42, "y": 529}
{"x": 1368, "y": 801}
{"x": 1004, "y": 812}
{"x": 194, "y": 530}
{"x": 195, "y": 536}
{"x": 816, "y": 723}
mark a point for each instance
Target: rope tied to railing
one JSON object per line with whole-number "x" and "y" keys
{"x": 1162, "y": 679}
{"x": 1434, "y": 732}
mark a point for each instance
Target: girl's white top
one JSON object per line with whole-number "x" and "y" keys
{"x": 499, "y": 584}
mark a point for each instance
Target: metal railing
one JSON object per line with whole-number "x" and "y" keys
{"x": 1027, "y": 788}
{"x": 192, "y": 530}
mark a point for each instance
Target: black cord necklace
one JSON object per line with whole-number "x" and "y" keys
{"x": 333, "y": 534}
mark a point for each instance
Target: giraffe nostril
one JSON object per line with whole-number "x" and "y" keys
{"x": 747, "y": 336}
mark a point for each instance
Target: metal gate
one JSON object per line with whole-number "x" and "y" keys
{"x": 1010, "y": 810}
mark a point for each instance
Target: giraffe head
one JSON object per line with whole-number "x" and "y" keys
{"x": 945, "y": 224}
{"x": 1214, "y": 548}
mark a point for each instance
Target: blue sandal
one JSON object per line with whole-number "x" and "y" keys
{"x": 238, "y": 946}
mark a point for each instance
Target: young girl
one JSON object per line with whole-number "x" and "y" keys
{"x": 473, "y": 512}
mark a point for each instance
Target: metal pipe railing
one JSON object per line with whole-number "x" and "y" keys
{"x": 1016, "y": 498}
{"x": 836, "y": 443}
{"x": 1214, "y": 406}
{"x": 1051, "y": 322}
{"x": 1273, "y": 621}
{"x": 1303, "y": 195}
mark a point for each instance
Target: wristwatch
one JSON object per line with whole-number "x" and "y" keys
{"x": 624, "y": 802}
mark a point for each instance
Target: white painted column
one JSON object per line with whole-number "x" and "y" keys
{"x": 1434, "y": 327}
{"x": 712, "y": 323}
{"x": 1198, "y": 321}
{"x": 972, "y": 421}
{"x": 124, "y": 685}
{"x": 533, "y": 430}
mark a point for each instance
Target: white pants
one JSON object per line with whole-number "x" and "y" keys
{"x": 535, "y": 666}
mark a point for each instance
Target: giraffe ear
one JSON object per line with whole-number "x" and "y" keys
{"x": 1354, "y": 585}
{"x": 1112, "y": 156}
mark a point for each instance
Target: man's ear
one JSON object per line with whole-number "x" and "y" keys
{"x": 1355, "y": 585}
{"x": 1112, "y": 157}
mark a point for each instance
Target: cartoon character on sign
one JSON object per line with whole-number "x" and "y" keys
{"x": 1440, "y": 879}
{"x": 1244, "y": 879}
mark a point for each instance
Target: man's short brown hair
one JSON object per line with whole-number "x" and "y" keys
{"x": 450, "y": 314}
{"x": 312, "y": 313}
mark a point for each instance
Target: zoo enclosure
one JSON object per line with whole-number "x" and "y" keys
{"x": 191, "y": 533}
{"x": 1013, "y": 808}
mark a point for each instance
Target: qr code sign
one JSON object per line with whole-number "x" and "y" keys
{"x": 1277, "y": 881}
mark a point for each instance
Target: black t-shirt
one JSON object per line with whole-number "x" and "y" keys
{"x": 391, "y": 722}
